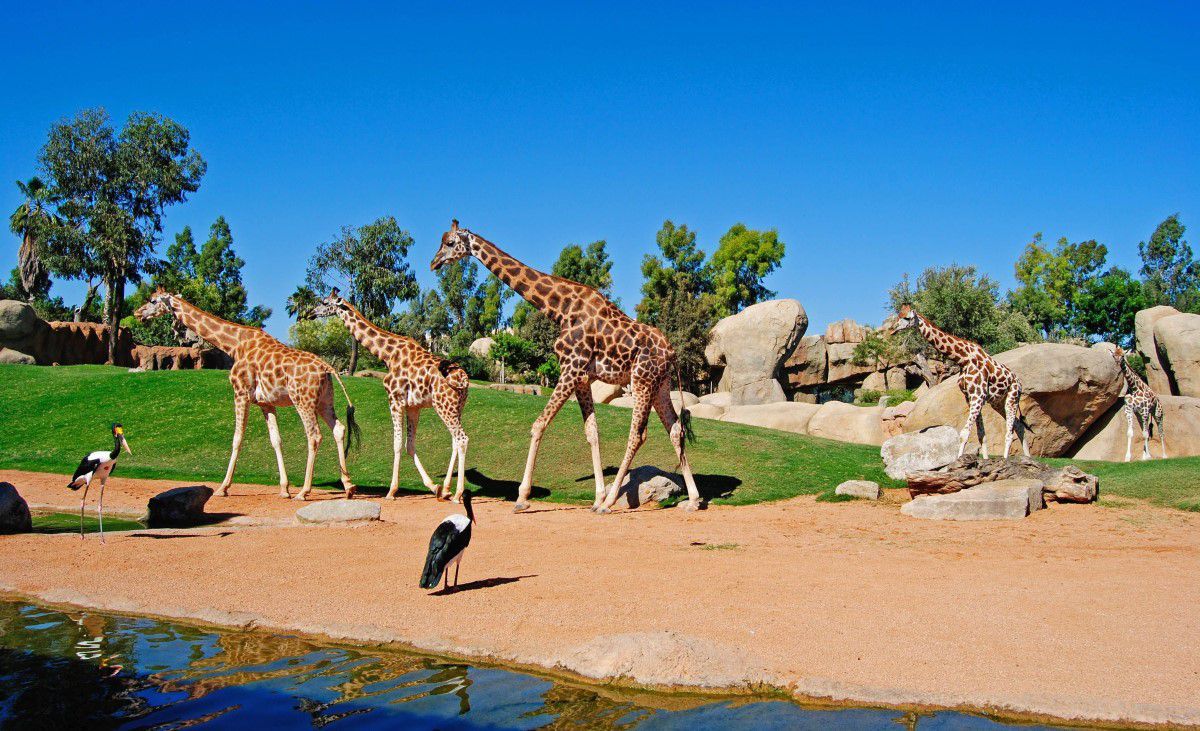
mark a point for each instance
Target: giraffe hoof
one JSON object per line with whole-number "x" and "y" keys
{"x": 690, "y": 506}
{"x": 520, "y": 507}
{"x": 602, "y": 510}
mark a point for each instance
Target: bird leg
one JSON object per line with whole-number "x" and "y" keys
{"x": 100, "y": 508}
{"x": 82, "y": 502}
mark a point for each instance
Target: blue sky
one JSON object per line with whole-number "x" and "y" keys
{"x": 878, "y": 139}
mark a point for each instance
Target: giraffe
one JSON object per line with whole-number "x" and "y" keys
{"x": 983, "y": 380}
{"x": 269, "y": 374}
{"x": 597, "y": 341}
{"x": 1142, "y": 402}
{"x": 416, "y": 379}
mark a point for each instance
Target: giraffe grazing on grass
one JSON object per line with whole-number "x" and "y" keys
{"x": 983, "y": 380}
{"x": 1144, "y": 403}
{"x": 416, "y": 379}
{"x": 597, "y": 342}
{"x": 269, "y": 374}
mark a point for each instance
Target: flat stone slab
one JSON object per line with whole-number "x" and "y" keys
{"x": 859, "y": 488}
{"x": 338, "y": 511}
{"x": 999, "y": 500}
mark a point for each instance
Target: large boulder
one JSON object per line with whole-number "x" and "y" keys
{"x": 603, "y": 393}
{"x": 687, "y": 400}
{"x": 482, "y": 347}
{"x": 648, "y": 484}
{"x": 1066, "y": 389}
{"x": 14, "y": 511}
{"x": 179, "y": 506}
{"x": 847, "y": 423}
{"x": 928, "y": 449}
{"x": 807, "y": 364}
{"x": 1143, "y": 326}
{"x": 9, "y": 356}
{"x": 1107, "y": 438}
{"x": 845, "y": 331}
{"x": 17, "y": 320}
{"x": 339, "y": 511}
{"x": 706, "y": 411}
{"x": 1178, "y": 340}
{"x": 724, "y": 400}
{"x": 785, "y": 416}
{"x": 841, "y": 363}
{"x": 752, "y": 345}
{"x": 1001, "y": 500}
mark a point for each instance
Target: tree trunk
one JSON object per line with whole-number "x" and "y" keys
{"x": 87, "y": 302}
{"x": 115, "y": 291}
{"x": 353, "y": 354}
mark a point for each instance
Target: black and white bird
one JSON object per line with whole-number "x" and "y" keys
{"x": 98, "y": 466}
{"x": 447, "y": 545}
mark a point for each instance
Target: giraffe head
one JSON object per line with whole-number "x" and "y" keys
{"x": 158, "y": 304}
{"x": 1118, "y": 354}
{"x": 905, "y": 318}
{"x": 331, "y": 306}
{"x": 456, "y": 244}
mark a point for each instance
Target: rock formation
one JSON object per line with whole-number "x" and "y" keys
{"x": 752, "y": 345}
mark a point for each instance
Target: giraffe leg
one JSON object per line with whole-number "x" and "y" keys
{"x": 1162, "y": 435}
{"x": 447, "y": 405}
{"x": 643, "y": 400}
{"x": 414, "y": 414}
{"x": 583, "y": 392}
{"x": 1144, "y": 418}
{"x": 313, "y": 432}
{"x": 277, "y": 445}
{"x": 241, "y": 406}
{"x": 562, "y": 392}
{"x": 1010, "y": 419}
{"x": 1128, "y": 430}
{"x": 973, "y": 416}
{"x": 329, "y": 416}
{"x": 397, "y": 410}
{"x": 674, "y": 426}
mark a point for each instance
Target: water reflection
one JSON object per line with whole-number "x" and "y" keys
{"x": 89, "y": 670}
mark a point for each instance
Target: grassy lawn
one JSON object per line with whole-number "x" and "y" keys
{"x": 1172, "y": 483}
{"x": 179, "y": 424}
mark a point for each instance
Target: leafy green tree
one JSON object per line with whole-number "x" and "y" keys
{"x": 743, "y": 259}
{"x": 30, "y": 221}
{"x": 516, "y": 356}
{"x": 370, "y": 265}
{"x": 112, "y": 189}
{"x": 1106, "y": 306}
{"x": 1169, "y": 269}
{"x": 590, "y": 266}
{"x": 1051, "y": 281}
{"x": 301, "y": 301}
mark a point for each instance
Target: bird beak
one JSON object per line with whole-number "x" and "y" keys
{"x": 125, "y": 444}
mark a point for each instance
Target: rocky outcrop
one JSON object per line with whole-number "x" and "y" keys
{"x": 339, "y": 511}
{"x": 920, "y": 451}
{"x": 1065, "y": 484}
{"x": 603, "y": 393}
{"x": 1143, "y": 326}
{"x": 482, "y": 347}
{"x": 864, "y": 489}
{"x": 1067, "y": 388}
{"x": 1177, "y": 338}
{"x": 14, "y": 511}
{"x": 688, "y": 400}
{"x": 784, "y": 416}
{"x": 648, "y": 484}
{"x": 847, "y": 423}
{"x": 1002, "y": 500}
{"x": 893, "y": 418}
{"x": 179, "y": 506}
{"x": 525, "y": 388}
{"x": 807, "y": 366}
{"x": 1107, "y": 438}
{"x": 752, "y": 345}
{"x": 167, "y": 358}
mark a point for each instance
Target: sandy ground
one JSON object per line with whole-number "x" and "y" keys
{"x": 1078, "y": 612}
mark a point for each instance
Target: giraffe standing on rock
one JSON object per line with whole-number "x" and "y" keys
{"x": 983, "y": 380}
{"x": 1142, "y": 402}
{"x": 416, "y": 379}
{"x": 269, "y": 374}
{"x": 597, "y": 341}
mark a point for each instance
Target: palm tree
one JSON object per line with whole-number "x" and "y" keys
{"x": 28, "y": 221}
{"x": 301, "y": 301}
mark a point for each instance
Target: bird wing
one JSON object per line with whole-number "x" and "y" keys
{"x": 87, "y": 466}
{"x": 445, "y": 543}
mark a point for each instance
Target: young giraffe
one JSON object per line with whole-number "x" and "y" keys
{"x": 269, "y": 374}
{"x": 416, "y": 379}
{"x": 1143, "y": 402}
{"x": 597, "y": 342}
{"x": 983, "y": 380}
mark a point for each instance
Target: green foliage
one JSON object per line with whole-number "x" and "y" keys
{"x": 330, "y": 339}
{"x": 549, "y": 371}
{"x": 870, "y": 397}
{"x": 744, "y": 257}
{"x": 301, "y": 301}
{"x": 963, "y": 302}
{"x": 1169, "y": 269}
{"x": 590, "y": 266}
{"x": 1051, "y": 282}
{"x": 1105, "y": 306}
{"x": 879, "y": 349}
{"x": 459, "y": 310}
{"x": 477, "y": 368}
{"x": 31, "y": 221}
{"x": 1137, "y": 363}
{"x": 519, "y": 358}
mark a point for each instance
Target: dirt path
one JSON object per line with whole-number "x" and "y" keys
{"x": 1078, "y": 612}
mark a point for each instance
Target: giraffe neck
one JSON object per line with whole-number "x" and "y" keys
{"x": 955, "y": 348}
{"x": 1132, "y": 379}
{"x": 528, "y": 282}
{"x": 221, "y": 333}
{"x": 373, "y": 337}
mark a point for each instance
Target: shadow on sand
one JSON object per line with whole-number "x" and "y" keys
{"x": 480, "y": 584}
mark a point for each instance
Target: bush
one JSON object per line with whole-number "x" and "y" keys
{"x": 870, "y": 397}
{"x": 477, "y": 368}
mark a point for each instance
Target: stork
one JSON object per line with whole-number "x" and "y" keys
{"x": 98, "y": 466}
{"x": 447, "y": 545}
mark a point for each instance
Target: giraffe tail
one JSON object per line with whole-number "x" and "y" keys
{"x": 353, "y": 432}
{"x": 685, "y": 416}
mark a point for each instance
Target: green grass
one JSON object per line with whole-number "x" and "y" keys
{"x": 1170, "y": 483}
{"x": 179, "y": 424}
{"x": 69, "y": 523}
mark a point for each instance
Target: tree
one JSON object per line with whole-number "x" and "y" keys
{"x": 1051, "y": 281}
{"x": 301, "y": 301}
{"x": 112, "y": 189}
{"x": 1169, "y": 270}
{"x": 1106, "y": 306}
{"x": 590, "y": 266}
{"x": 743, "y": 259}
{"x": 30, "y": 221}
{"x": 370, "y": 264}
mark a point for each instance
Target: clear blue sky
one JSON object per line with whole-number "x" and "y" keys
{"x": 878, "y": 140}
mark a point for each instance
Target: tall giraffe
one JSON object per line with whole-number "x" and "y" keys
{"x": 416, "y": 379}
{"x": 269, "y": 374}
{"x": 1142, "y": 402}
{"x": 597, "y": 341}
{"x": 983, "y": 380}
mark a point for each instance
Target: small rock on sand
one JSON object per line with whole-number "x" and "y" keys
{"x": 647, "y": 484}
{"x": 179, "y": 506}
{"x": 338, "y": 511}
{"x": 1000, "y": 500}
{"x": 859, "y": 488}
